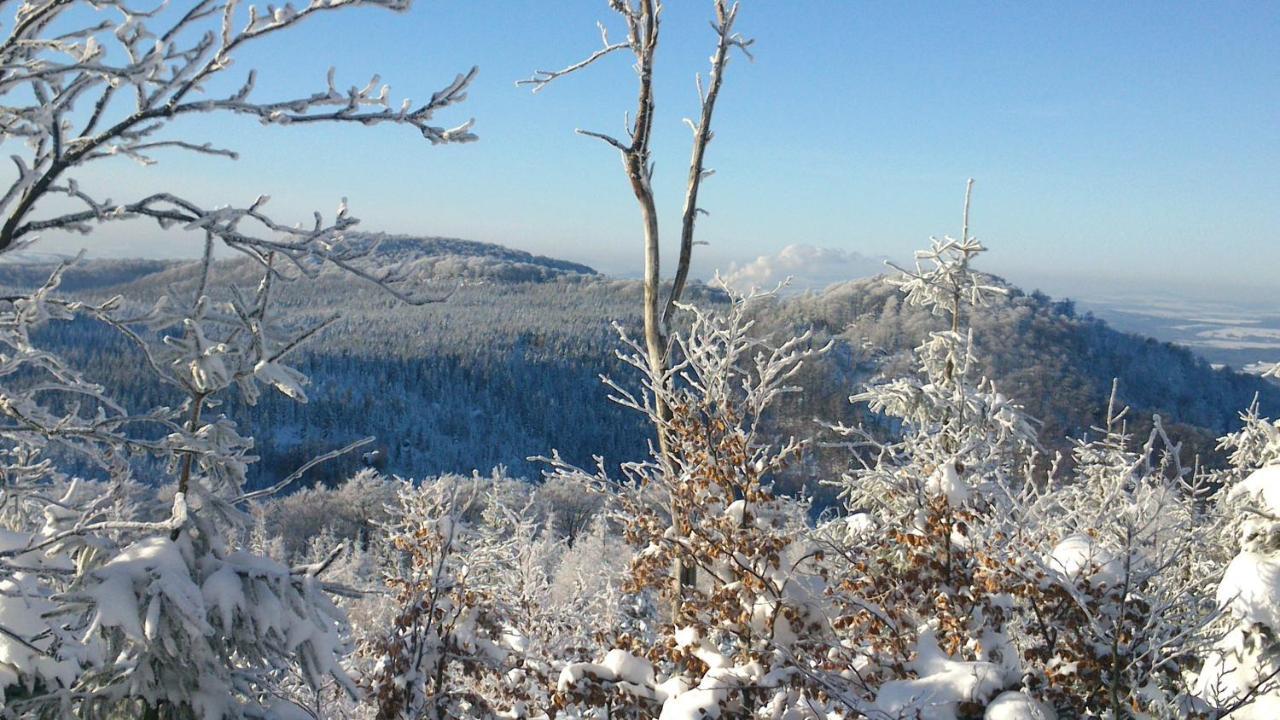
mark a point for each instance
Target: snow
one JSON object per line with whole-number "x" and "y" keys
{"x": 942, "y": 684}
{"x": 686, "y": 636}
{"x": 10, "y": 540}
{"x": 859, "y": 524}
{"x": 1250, "y": 592}
{"x": 764, "y": 613}
{"x": 737, "y": 512}
{"x": 718, "y": 691}
{"x": 285, "y": 710}
{"x": 283, "y": 378}
{"x": 1230, "y": 671}
{"x": 1015, "y": 705}
{"x": 671, "y": 687}
{"x": 151, "y": 565}
{"x": 1263, "y": 487}
{"x": 945, "y": 481}
{"x": 22, "y": 609}
{"x": 1263, "y": 707}
{"x": 628, "y": 668}
{"x": 222, "y": 591}
{"x": 1079, "y": 557}
{"x": 1250, "y": 589}
{"x": 628, "y": 672}
{"x": 515, "y": 640}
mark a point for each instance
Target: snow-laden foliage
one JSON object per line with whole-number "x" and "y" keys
{"x": 968, "y": 574}
{"x": 1111, "y": 571}
{"x": 968, "y": 578}
{"x": 471, "y": 600}
{"x": 441, "y": 636}
{"x": 926, "y": 632}
{"x": 975, "y": 574}
{"x": 748, "y": 613}
{"x": 1241, "y": 671}
{"x": 116, "y": 602}
{"x": 141, "y": 608}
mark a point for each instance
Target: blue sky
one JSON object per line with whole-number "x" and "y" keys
{"x": 1112, "y": 143}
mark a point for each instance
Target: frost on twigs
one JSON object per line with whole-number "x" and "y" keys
{"x": 642, "y": 19}
{"x": 115, "y": 607}
{"x": 441, "y": 632}
{"x": 75, "y": 94}
{"x": 754, "y": 622}
{"x": 965, "y": 440}
{"x": 978, "y": 578}
{"x": 943, "y": 280}
{"x": 128, "y": 592}
{"x": 1242, "y": 671}
{"x": 484, "y": 603}
{"x": 1114, "y": 562}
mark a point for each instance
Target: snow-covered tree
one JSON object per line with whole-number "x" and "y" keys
{"x": 1111, "y": 571}
{"x": 442, "y": 642}
{"x": 925, "y": 633}
{"x": 1241, "y": 675}
{"x": 642, "y": 20}
{"x": 485, "y": 606}
{"x": 752, "y": 627}
{"x": 156, "y": 609}
{"x": 973, "y": 579}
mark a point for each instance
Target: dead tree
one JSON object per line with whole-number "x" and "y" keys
{"x": 642, "y": 18}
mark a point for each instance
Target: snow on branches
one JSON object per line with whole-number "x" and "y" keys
{"x": 756, "y": 604}
{"x": 120, "y": 599}
{"x": 973, "y": 576}
{"x": 1241, "y": 674}
{"x": 441, "y": 634}
{"x": 78, "y": 92}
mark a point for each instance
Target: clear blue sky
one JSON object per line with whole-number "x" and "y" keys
{"x": 1111, "y": 142}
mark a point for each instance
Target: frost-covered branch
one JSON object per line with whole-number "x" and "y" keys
{"x": 642, "y": 20}
{"x": 542, "y": 78}
{"x": 167, "y": 59}
{"x": 114, "y": 601}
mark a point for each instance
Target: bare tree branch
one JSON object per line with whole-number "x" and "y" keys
{"x": 642, "y": 19}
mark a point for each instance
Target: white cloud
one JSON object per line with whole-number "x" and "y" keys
{"x": 809, "y": 267}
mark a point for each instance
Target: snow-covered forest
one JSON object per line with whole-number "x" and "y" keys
{"x": 473, "y": 376}
{"x": 238, "y": 488}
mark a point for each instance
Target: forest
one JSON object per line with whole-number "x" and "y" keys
{"x": 322, "y": 472}
{"x": 475, "y": 375}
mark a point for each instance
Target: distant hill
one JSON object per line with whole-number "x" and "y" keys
{"x": 86, "y": 275}
{"x": 508, "y": 367}
{"x": 451, "y": 257}
{"x": 425, "y": 259}
{"x": 1055, "y": 361}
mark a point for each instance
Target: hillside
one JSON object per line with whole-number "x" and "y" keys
{"x": 1056, "y": 362}
{"x": 86, "y": 276}
{"x": 424, "y": 259}
{"x": 508, "y": 367}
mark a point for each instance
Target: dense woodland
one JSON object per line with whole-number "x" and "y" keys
{"x": 509, "y": 367}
